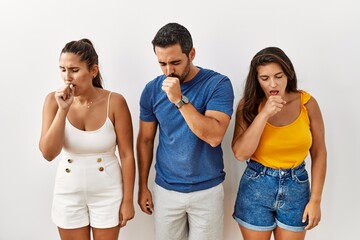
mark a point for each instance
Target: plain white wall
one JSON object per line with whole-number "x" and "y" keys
{"x": 321, "y": 37}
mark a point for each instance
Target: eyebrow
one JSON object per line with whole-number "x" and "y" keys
{"x": 172, "y": 62}
{"x": 68, "y": 67}
{"x": 264, "y": 75}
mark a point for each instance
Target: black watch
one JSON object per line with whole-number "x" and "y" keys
{"x": 184, "y": 100}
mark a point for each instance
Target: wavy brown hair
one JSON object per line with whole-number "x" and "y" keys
{"x": 253, "y": 94}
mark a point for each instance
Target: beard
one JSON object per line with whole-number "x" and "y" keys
{"x": 185, "y": 73}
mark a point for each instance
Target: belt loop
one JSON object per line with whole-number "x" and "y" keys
{"x": 293, "y": 174}
{"x": 263, "y": 171}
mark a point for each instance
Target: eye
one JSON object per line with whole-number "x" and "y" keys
{"x": 75, "y": 70}
{"x": 279, "y": 76}
{"x": 264, "y": 78}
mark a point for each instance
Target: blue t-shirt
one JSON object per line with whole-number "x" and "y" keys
{"x": 184, "y": 162}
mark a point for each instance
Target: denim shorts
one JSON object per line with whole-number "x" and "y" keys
{"x": 272, "y": 197}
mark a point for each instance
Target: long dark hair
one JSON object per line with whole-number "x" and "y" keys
{"x": 86, "y": 51}
{"x": 253, "y": 94}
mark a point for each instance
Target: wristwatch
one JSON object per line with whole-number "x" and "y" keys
{"x": 184, "y": 100}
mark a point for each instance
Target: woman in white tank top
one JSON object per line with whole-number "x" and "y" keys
{"x": 87, "y": 123}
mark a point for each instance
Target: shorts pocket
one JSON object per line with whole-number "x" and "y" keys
{"x": 303, "y": 177}
{"x": 113, "y": 171}
{"x": 251, "y": 173}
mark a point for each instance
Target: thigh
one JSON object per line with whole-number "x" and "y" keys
{"x": 206, "y": 214}
{"x": 106, "y": 233}
{"x": 254, "y": 206}
{"x": 296, "y": 196}
{"x": 249, "y": 234}
{"x": 75, "y": 234}
{"x": 169, "y": 214}
{"x": 104, "y": 193}
{"x": 282, "y": 234}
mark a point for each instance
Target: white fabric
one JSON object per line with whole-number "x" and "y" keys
{"x": 102, "y": 140}
{"x": 189, "y": 216}
{"x": 88, "y": 186}
{"x": 87, "y": 191}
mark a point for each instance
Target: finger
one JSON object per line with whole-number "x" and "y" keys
{"x": 304, "y": 217}
{"x": 310, "y": 224}
{"x": 145, "y": 209}
{"x": 123, "y": 223}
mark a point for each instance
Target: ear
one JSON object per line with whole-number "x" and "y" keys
{"x": 94, "y": 70}
{"x": 192, "y": 54}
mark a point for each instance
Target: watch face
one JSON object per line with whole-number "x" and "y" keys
{"x": 185, "y": 99}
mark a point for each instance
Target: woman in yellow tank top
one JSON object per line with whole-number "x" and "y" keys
{"x": 276, "y": 127}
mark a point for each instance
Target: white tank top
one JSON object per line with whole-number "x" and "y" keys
{"x": 100, "y": 141}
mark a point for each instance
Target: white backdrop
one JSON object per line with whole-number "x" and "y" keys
{"x": 321, "y": 37}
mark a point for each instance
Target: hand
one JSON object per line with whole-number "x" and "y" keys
{"x": 312, "y": 212}
{"x": 171, "y": 86}
{"x": 273, "y": 105}
{"x": 65, "y": 96}
{"x": 145, "y": 201}
{"x": 127, "y": 212}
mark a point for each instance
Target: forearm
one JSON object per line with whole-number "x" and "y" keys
{"x": 318, "y": 173}
{"x": 52, "y": 141}
{"x": 144, "y": 157}
{"x": 245, "y": 145}
{"x": 207, "y": 128}
{"x": 128, "y": 174}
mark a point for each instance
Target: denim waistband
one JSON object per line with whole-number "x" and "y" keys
{"x": 276, "y": 172}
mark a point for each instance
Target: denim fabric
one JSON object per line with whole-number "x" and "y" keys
{"x": 272, "y": 197}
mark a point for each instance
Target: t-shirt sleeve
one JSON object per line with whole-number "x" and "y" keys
{"x": 222, "y": 99}
{"x": 146, "y": 105}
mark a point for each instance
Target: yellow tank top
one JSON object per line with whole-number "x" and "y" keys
{"x": 286, "y": 146}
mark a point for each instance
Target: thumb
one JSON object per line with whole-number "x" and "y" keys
{"x": 304, "y": 217}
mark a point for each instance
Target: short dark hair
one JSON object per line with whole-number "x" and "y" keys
{"x": 171, "y": 34}
{"x": 86, "y": 51}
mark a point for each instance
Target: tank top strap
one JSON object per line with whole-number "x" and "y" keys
{"x": 305, "y": 97}
{"x": 108, "y": 105}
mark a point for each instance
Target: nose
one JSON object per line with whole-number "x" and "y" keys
{"x": 272, "y": 82}
{"x": 67, "y": 77}
{"x": 169, "y": 70}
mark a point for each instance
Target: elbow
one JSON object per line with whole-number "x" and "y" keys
{"x": 215, "y": 142}
{"x": 239, "y": 155}
{"x": 48, "y": 155}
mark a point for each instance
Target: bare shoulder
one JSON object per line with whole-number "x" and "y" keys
{"x": 117, "y": 99}
{"x": 312, "y": 104}
{"x": 313, "y": 109}
{"x": 50, "y": 100}
{"x": 50, "y": 96}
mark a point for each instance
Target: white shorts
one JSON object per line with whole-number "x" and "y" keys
{"x": 88, "y": 191}
{"x": 189, "y": 216}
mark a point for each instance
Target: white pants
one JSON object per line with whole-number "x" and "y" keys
{"x": 194, "y": 216}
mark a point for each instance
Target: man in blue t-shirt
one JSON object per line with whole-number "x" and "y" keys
{"x": 192, "y": 107}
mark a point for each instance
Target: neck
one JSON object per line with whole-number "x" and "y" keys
{"x": 193, "y": 71}
{"x": 87, "y": 99}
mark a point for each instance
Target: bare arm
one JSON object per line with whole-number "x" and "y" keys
{"x": 145, "y": 148}
{"x": 124, "y": 138}
{"x": 209, "y": 127}
{"x": 55, "y": 110}
{"x": 318, "y": 164}
{"x": 246, "y": 139}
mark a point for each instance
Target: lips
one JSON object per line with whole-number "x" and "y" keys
{"x": 274, "y": 92}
